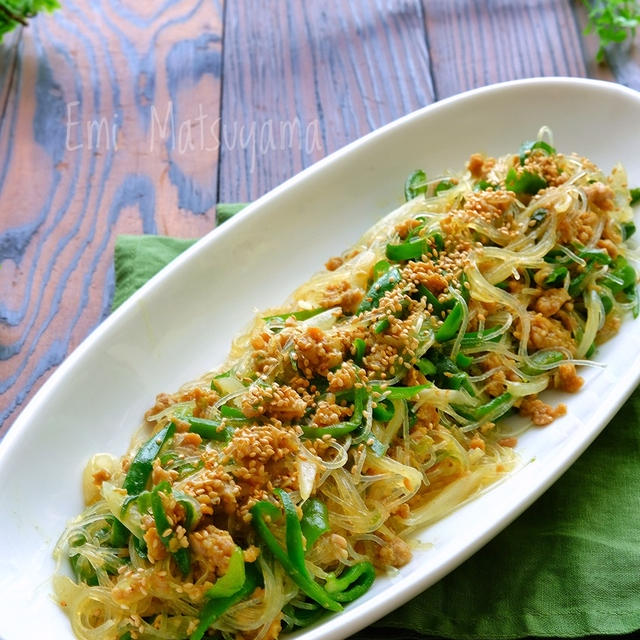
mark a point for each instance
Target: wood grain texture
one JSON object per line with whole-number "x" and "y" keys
{"x": 84, "y": 158}
{"x": 111, "y": 122}
{"x": 473, "y": 43}
{"x": 330, "y": 71}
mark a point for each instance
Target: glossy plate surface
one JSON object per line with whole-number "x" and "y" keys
{"x": 182, "y": 322}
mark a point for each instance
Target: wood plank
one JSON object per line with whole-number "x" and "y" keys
{"x": 86, "y": 160}
{"x": 478, "y": 42}
{"x": 328, "y": 71}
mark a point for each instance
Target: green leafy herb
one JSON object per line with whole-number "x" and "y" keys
{"x": 443, "y": 185}
{"x": 635, "y": 195}
{"x": 415, "y": 184}
{"x": 531, "y": 145}
{"x": 15, "y": 12}
{"x": 613, "y": 21}
{"x": 526, "y": 182}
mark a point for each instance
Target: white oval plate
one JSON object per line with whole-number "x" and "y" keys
{"x": 182, "y": 322}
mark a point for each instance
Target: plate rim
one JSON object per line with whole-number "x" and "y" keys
{"x": 413, "y": 583}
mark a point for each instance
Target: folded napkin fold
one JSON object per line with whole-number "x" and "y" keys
{"x": 569, "y": 566}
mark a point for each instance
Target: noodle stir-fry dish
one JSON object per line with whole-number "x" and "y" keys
{"x": 270, "y": 492}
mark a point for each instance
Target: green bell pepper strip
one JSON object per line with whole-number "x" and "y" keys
{"x": 410, "y": 250}
{"x": 578, "y": 283}
{"x": 541, "y": 358}
{"x": 82, "y": 568}
{"x": 539, "y": 215}
{"x": 210, "y": 429}
{"x": 292, "y": 560}
{"x": 301, "y": 617}
{"x": 315, "y": 521}
{"x": 341, "y": 428}
{"x": 415, "y": 184}
{"x": 627, "y": 229}
{"x": 231, "y": 582}
{"x": 142, "y": 464}
{"x": 381, "y": 326}
{"x": 438, "y": 241}
{"x": 191, "y": 507}
{"x": 386, "y": 282}
{"x": 450, "y": 327}
{"x": 380, "y": 267}
{"x": 232, "y": 413}
{"x": 463, "y": 361}
{"x": 359, "y": 347}
{"x": 635, "y": 196}
{"x": 138, "y": 475}
{"x": 443, "y": 185}
{"x": 483, "y": 185}
{"x": 556, "y": 277}
{"x": 449, "y": 376}
{"x": 432, "y": 300}
{"x": 401, "y": 393}
{"x": 384, "y": 410}
{"x": 426, "y": 367}
{"x": 164, "y": 529}
{"x": 599, "y": 256}
{"x": 353, "y": 583}
{"x": 477, "y": 413}
{"x": 305, "y": 314}
{"x": 621, "y": 277}
{"x": 216, "y": 607}
{"x": 527, "y": 147}
{"x": 607, "y": 303}
{"x": 526, "y": 182}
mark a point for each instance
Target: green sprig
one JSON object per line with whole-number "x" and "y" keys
{"x": 15, "y": 12}
{"x": 613, "y": 21}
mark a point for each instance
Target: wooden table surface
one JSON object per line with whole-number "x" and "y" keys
{"x": 137, "y": 116}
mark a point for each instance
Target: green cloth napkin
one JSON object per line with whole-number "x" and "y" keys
{"x": 569, "y": 566}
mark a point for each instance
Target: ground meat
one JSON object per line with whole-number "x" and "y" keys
{"x": 435, "y": 282}
{"x": 259, "y": 458}
{"x": 280, "y": 402}
{"x": 580, "y": 227}
{"x": 328, "y": 413}
{"x": 428, "y": 416}
{"x": 251, "y": 553}
{"x": 540, "y": 413}
{"x": 155, "y": 548}
{"x": 343, "y": 378}
{"x": 341, "y": 294}
{"x": 600, "y": 195}
{"x": 546, "y": 166}
{"x": 548, "y": 333}
{"x": 163, "y": 401}
{"x": 496, "y": 384}
{"x": 394, "y": 554}
{"x": 551, "y": 300}
{"x": 316, "y": 352}
{"x": 213, "y": 486}
{"x": 610, "y": 327}
{"x": 610, "y": 247}
{"x": 479, "y": 165}
{"x": 213, "y": 548}
{"x": 612, "y": 232}
{"x": 566, "y": 378}
{"x": 159, "y": 474}
{"x": 403, "y": 228}
{"x": 334, "y": 263}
